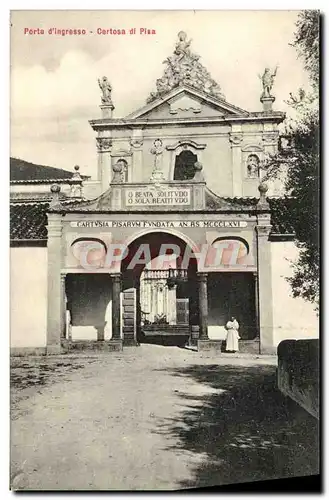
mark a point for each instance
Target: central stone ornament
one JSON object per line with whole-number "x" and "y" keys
{"x": 157, "y": 174}
{"x": 184, "y": 68}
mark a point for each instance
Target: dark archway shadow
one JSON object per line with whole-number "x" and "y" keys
{"x": 131, "y": 276}
{"x": 164, "y": 340}
{"x": 246, "y": 431}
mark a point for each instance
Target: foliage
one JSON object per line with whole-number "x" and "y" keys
{"x": 298, "y": 159}
{"x": 307, "y": 43}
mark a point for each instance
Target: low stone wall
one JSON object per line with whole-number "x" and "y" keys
{"x": 298, "y": 372}
{"x": 28, "y": 351}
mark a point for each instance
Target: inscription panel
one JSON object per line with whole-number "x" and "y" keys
{"x": 150, "y": 197}
{"x": 160, "y": 224}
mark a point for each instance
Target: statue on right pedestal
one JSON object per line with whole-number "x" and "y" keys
{"x": 268, "y": 81}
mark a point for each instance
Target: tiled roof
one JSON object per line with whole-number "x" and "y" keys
{"x": 67, "y": 180}
{"x": 28, "y": 220}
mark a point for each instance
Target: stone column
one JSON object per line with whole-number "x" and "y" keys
{"x": 256, "y": 285}
{"x": 116, "y": 312}
{"x": 203, "y": 306}
{"x": 172, "y": 312}
{"x": 265, "y": 301}
{"x": 54, "y": 293}
{"x": 63, "y": 306}
{"x": 236, "y": 138}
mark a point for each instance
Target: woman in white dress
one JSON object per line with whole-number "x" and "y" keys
{"x": 232, "y": 338}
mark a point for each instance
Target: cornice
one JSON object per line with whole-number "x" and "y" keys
{"x": 105, "y": 123}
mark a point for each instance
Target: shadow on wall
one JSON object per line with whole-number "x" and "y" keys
{"x": 247, "y": 431}
{"x": 89, "y": 301}
{"x": 231, "y": 294}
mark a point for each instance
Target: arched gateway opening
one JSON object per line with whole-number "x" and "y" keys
{"x": 159, "y": 293}
{"x": 159, "y": 290}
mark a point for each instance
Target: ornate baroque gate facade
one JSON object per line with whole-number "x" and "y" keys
{"x": 185, "y": 165}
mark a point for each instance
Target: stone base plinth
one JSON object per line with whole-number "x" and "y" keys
{"x": 249, "y": 346}
{"x": 27, "y": 351}
{"x": 194, "y": 335}
{"x": 52, "y": 350}
{"x": 115, "y": 345}
{"x": 267, "y": 103}
{"x": 92, "y": 345}
{"x": 107, "y": 110}
{"x": 130, "y": 342}
{"x": 268, "y": 349}
{"x": 210, "y": 346}
{"x": 192, "y": 341}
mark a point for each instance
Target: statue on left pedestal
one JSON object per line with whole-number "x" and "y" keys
{"x": 106, "y": 89}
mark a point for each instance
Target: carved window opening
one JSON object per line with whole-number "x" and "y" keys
{"x": 184, "y": 166}
{"x": 253, "y": 163}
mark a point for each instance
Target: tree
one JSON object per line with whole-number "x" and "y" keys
{"x": 298, "y": 157}
{"x": 307, "y": 43}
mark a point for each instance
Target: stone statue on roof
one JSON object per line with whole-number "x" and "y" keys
{"x": 183, "y": 68}
{"x": 268, "y": 81}
{"x": 106, "y": 89}
{"x": 182, "y": 46}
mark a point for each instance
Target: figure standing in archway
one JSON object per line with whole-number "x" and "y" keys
{"x": 232, "y": 338}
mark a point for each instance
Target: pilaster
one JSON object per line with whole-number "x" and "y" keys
{"x": 104, "y": 147}
{"x": 236, "y": 138}
{"x": 270, "y": 138}
{"x": 55, "y": 287}
{"x": 265, "y": 300}
{"x": 256, "y": 289}
{"x": 203, "y": 305}
{"x": 116, "y": 316}
{"x": 63, "y": 305}
{"x": 136, "y": 144}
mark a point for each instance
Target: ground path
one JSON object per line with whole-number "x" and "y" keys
{"x": 154, "y": 418}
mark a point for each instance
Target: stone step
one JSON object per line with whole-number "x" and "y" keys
{"x": 92, "y": 345}
{"x": 218, "y": 346}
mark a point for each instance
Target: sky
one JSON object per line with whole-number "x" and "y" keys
{"x": 54, "y": 89}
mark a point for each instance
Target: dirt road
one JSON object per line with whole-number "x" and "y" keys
{"x": 153, "y": 418}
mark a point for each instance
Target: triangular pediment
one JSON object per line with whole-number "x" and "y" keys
{"x": 185, "y": 101}
{"x": 186, "y": 89}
